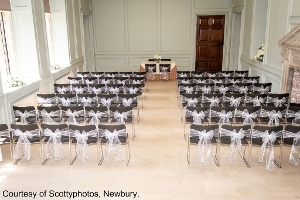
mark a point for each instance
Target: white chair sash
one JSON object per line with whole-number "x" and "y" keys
{"x": 86, "y": 101}
{"x": 223, "y": 116}
{"x": 274, "y": 117}
{"x": 127, "y": 102}
{"x": 150, "y": 73}
{"x": 235, "y": 102}
{"x": 198, "y": 75}
{"x": 72, "y": 115}
{"x": 251, "y": 80}
{"x": 136, "y": 82}
{"x": 113, "y": 145}
{"x": 296, "y": 120}
{"x": 216, "y": 81}
{"x": 294, "y": 154}
{"x": 61, "y": 90}
{"x": 181, "y": 75}
{"x": 114, "y": 90}
{"x": 243, "y": 89}
{"x": 279, "y": 102}
{"x": 186, "y": 81}
{"x": 211, "y": 75}
{"x": 268, "y": 142}
{"x": 234, "y": 81}
{"x": 248, "y": 118}
{"x": 78, "y": 90}
{"x": 197, "y": 117}
{"x": 205, "y": 89}
{"x": 190, "y": 101}
{"x": 42, "y": 101}
{"x": 241, "y": 74}
{"x": 47, "y": 117}
{"x": 123, "y": 82}
{"x": 257, "y": 101}
{"x": 199, "y": 81}
{"x": 96, "y": 117}
{"x": 23, "y": 146}
{"x": 187, "y": 89}
{"x": 236, "y": 142}
{"x": 133, "y": 90}
{"x": 205, "y": 147}
{"x": 223, "y": 89}
{"x": 106, "y": 102}
{"x": 24, "y": 115}
{"x": 73, "y": 81}
{"x": 164, "y": 71}
{"x": 82, "y": 149}
{"x": 262, "y": 89}
{"x": 54, "y": 147}
{"x": 226, "y": 75}
{"x": 121, "y": 117}
{"x": 88, "y": 82}
{"x": 214, "y": 101}
{"x": 97, "y": 90}
{"x": 65, "y": 101}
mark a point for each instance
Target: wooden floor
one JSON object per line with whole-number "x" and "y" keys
{"x": 158, "y": 169}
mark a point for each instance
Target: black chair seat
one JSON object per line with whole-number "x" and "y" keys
{"x": 195, "y": 140}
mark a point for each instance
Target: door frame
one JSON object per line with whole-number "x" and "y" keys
{"x": 227, "y": 33}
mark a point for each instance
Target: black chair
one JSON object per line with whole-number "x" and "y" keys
{"x": 46, "y": 99}
{"x": 83, "y": 74}
{"x": 234, "y": 80}
{"x": 130, "y": 100}
{"x": 262, "y": 88}
{"x": 5, "y": 138}
{"x": 239, "y": 73}
{"x": 201, "y": 80}
{"x": 67, "y": 99}
{"x": 197, "y": 74}
{"x": 82, "y": 137}
{"x": 196, "y": 115}
{"x": 244, "y": 88}
{"x": 236, "y": 137}
{"x": 52, "y": 138}
{"x": 87, "y": 100}
{"x": 125, "y": 74}
{"x": 183, "y": 74}
{"x": 72, "y": 114}
{"x": 278, "y": 99}
{"x": 216, "y": 80}
{"x": 49, "y": 114}
{"x": 164, "y": 71}
{"x": 234, "y": 100}
{"x": 123, "y": 115}
{"x": 111, "y": 74}
{"x": 267, "y": 138}
{"x": 90, "y": 80}
{"x": 184, "y": 80}
{"x": 122, "y": 80}
{"x": 97, "y": 88}
{"x": 112, "y": 137}
{"x": 222, "y": 115}
{"x": 212, "y": 74}
{"x": 205, "y": 88}
{"x": 183, "y": 88}
{"x": 150, "y": 71}
{"x": 247, "y": 115}
{"x": 223, "y": 88}
{"x": 79, "y": 88}
{"x": 97, "y": 75}
{"x": 139, "y": 74}
{"x": 251, "y": 79}
{"x": 273, "y": 115}
{"x": 212, "y": 100}
{"x": 25, "y": 114}
{"x": 107, "y": 100}
{"x": 226, "y": 73}
{"x": 62, "y": 88}
{"x": 256, "y": 99}
{"x": 291, "y": 137}
{"x": 115, "y": 89}
{"x": 96, "y": 115}
{"x": 205, "y": 137}
{"x": 23, "y": 135}
{"x": 293, "y": 115}
{"x": 75, "y": 80}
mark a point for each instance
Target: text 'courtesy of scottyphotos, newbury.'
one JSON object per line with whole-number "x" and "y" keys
{"x": 68, "y": 194}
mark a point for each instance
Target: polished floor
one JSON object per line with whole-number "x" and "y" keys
{"x": 158, "y": 168}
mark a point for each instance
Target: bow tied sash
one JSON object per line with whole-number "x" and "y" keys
{"x": 234, "y": 102}
{"x": 214, "y": 101}
{"x": 274, "y": 117}
{"x": 113, "y": 144}
{"x": 248, "y": 118}
{"x": 205, "y": 147}
{"x": 223, "y": 116}
{"x": 205, "y": 89}
{"x": 96, "y": 117}
{"x": 73, "y": 81}
{"x": 97, "y": 90}
{"x": 23, "y": 146}
{"x": 236, "y": 141}
{"x": 197, "y": 117}
{"x": 226, "y": 75}
{"x": 78, "y": 90}
{"x": 47, "y": 117}
{"x": 86, "y": 101}
{"x": 295, "y": 151}
{"x": 262, "y": 89}
{"x": 121, "y": 117}
{"x": 65, "y": 101}
{"x": 82, "y": 146}
{"x": 151, "y": 73}
{"x": 187, "y": 89}
{"x": 106, "y": 102}
{"x": 72, "y": 115}
{"x": 257, "y": 101}
{"x": 243, "y": 89}
{"x": 114, "y": 90}
{"x": 42, "y": 101}
{"x": 182, "y": 75}
{"x": 185, "y": 81}
{"x": 136, "y": 82}
{"x": 279, "y": 102}
{"x": 199, "y": 81}
{"x": 223, "y": 89}
{"x": 127, "y": 102}
{"x": 133, "y": 90}
{"x": 61, "y": 90}
{"x": 268, "y": 142}
{"x": 54, "y": 147}
{"x": 190, "y": 101}
{"x": 296, "y": 120}
{"x": 24, "y": 115}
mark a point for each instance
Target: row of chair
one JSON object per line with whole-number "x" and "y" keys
{"x": 237, "y": 73}
{"x": 51, "y": 138}
{"x": 106, "y": 80}
{"x": 115, "y": 74}
{"x": 207, "y": 80}
{"x": 209, "y": 139}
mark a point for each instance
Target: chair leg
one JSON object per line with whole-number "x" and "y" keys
{"x": 43, "y": 161}
{"x": 102, "y": 157}
{"x": 72, "y": 160}
{"x": 128, "y": 153}
{"x": 217, "y": 155}
{"x": 188, "y": 153}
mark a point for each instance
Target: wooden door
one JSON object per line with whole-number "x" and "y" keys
{"x": 209, "y": 43}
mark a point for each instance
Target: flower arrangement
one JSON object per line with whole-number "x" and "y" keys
{"x": 55, "y": 66}
{"x": 157, "y": 57}
{"x": 260, "y": 54}
{"x": 15, "y": 81}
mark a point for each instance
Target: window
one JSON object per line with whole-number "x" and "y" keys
{"x": 7, "y": 52}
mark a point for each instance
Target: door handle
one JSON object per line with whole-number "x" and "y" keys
{"x": 220, "y": 43}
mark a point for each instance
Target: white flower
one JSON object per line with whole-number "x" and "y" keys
{"x": 157, "y": 57}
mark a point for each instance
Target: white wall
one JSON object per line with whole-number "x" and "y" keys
{"x": 127, "y": 32}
